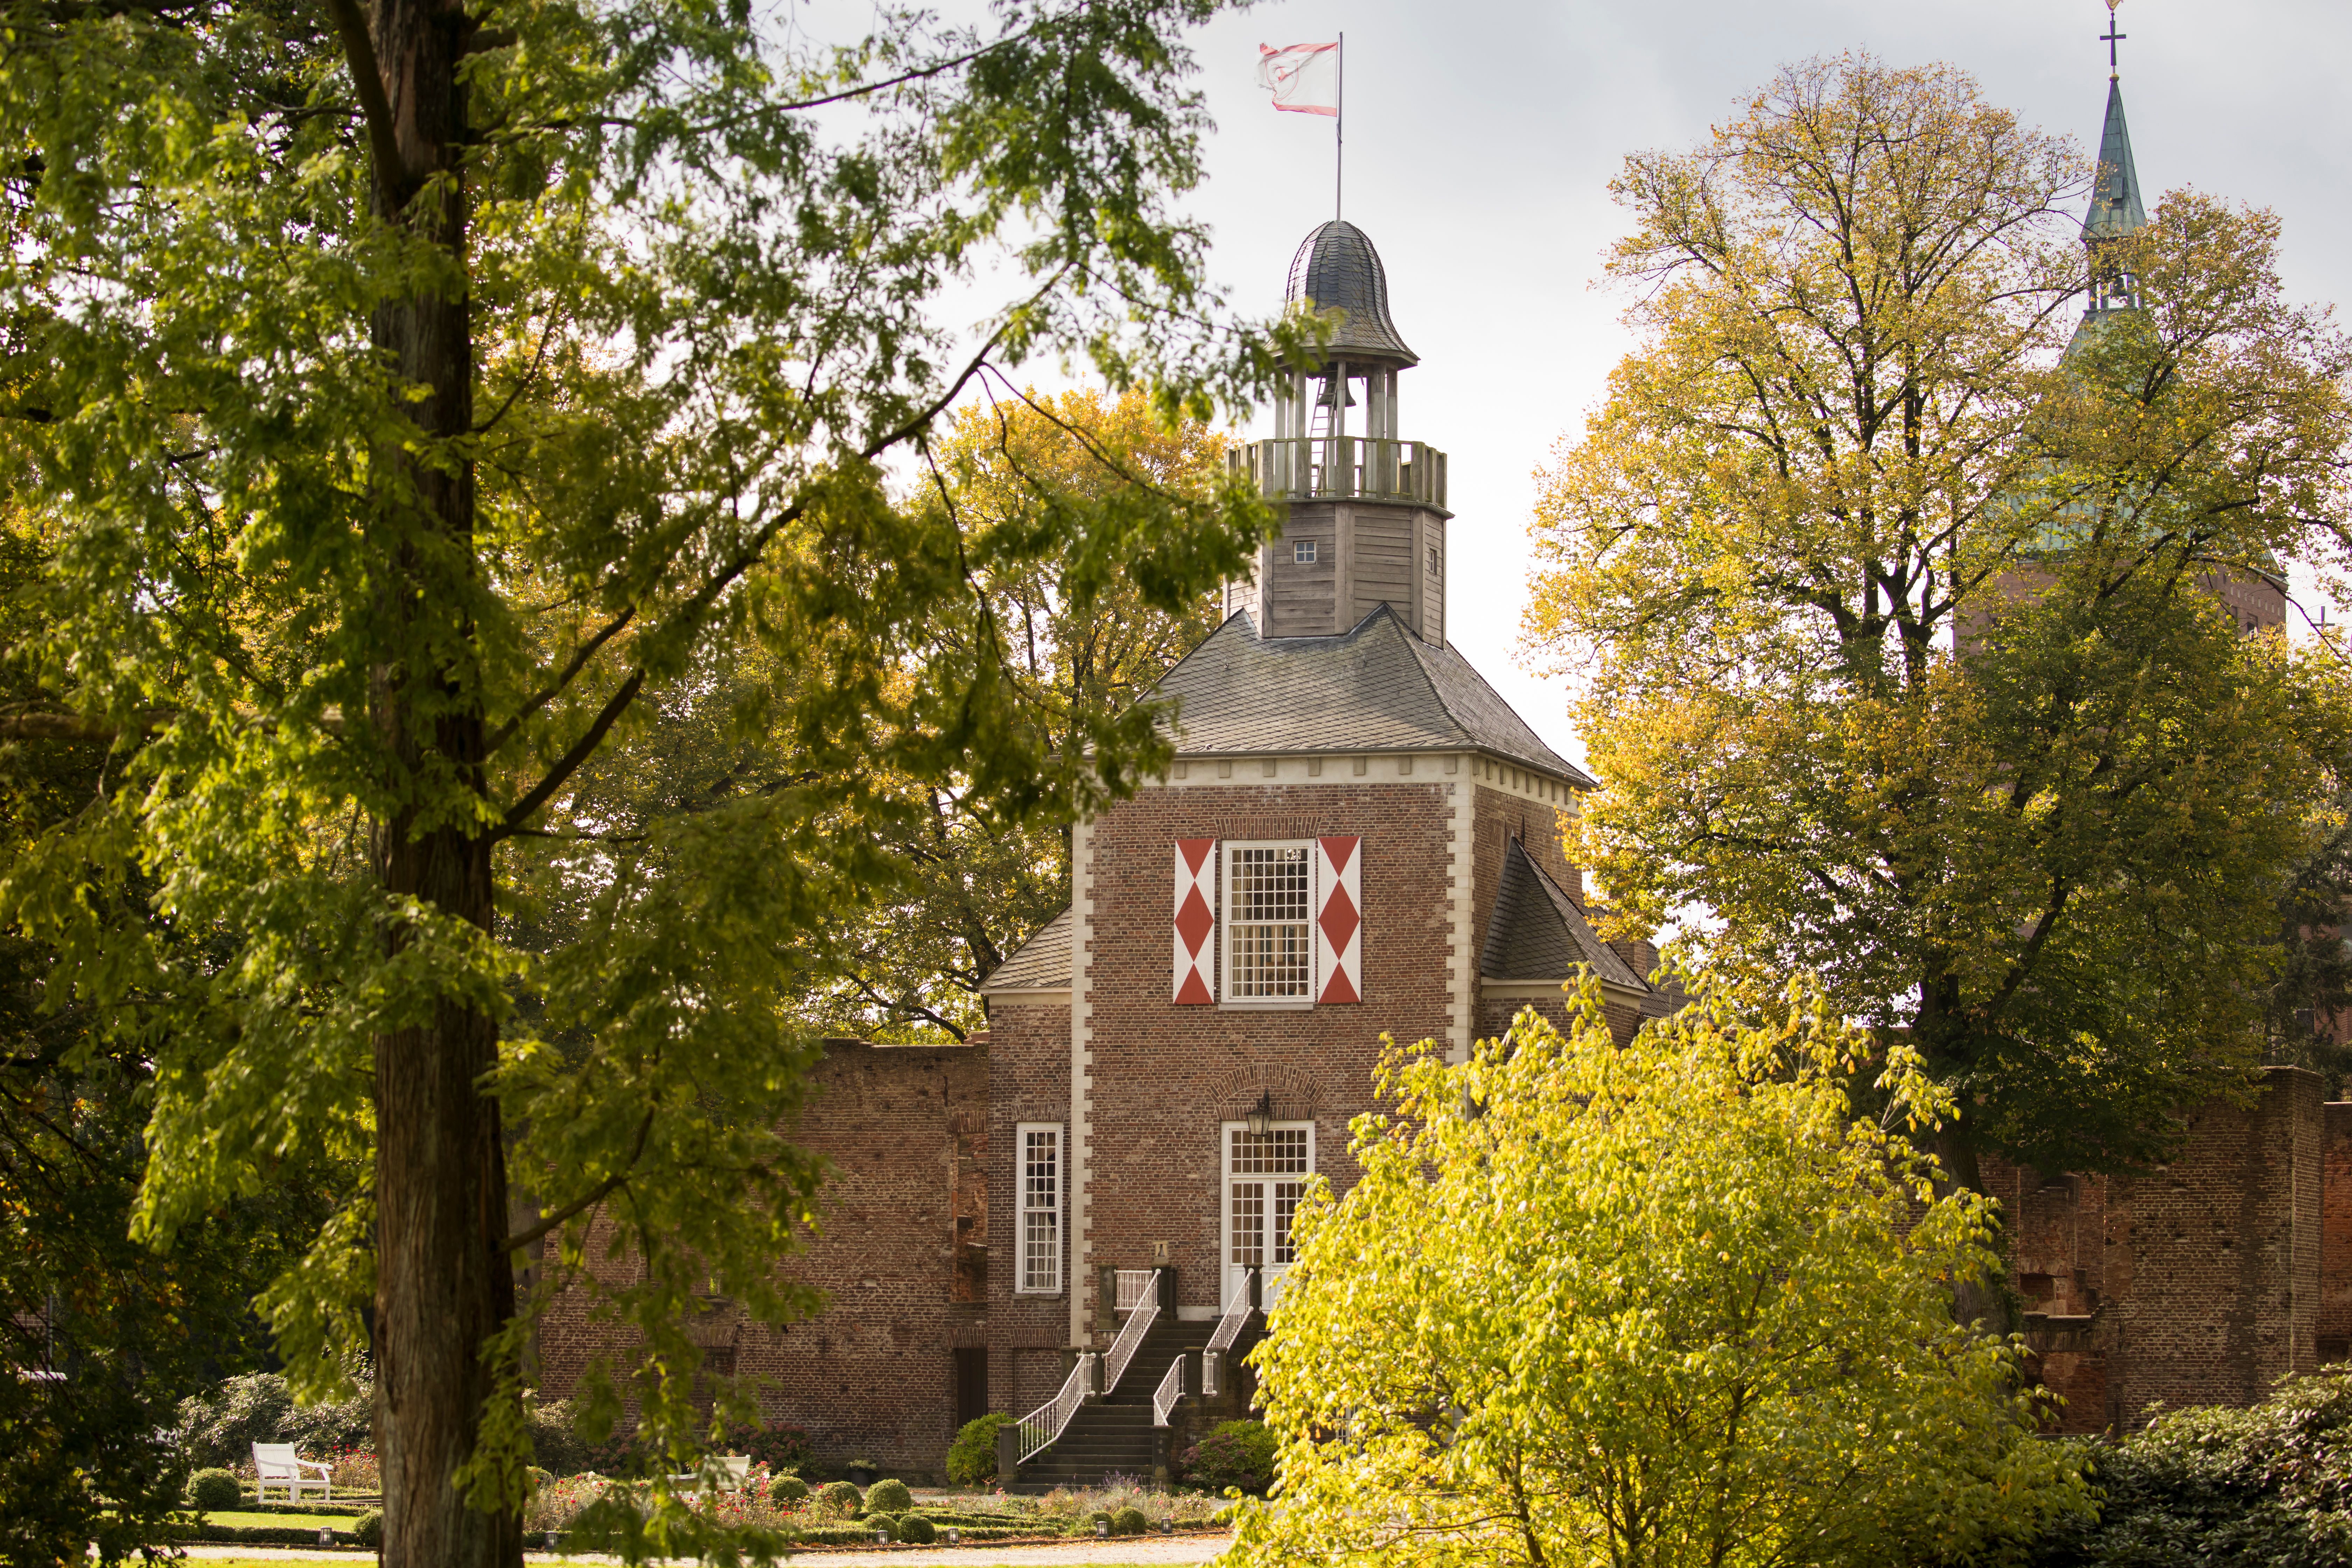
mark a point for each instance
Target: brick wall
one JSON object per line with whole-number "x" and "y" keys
{"x": 2223, "y": 1297}
{"x": 1165, "y": 1078}
{"x": 872, "y": 1375}
{"x": 1029, "y": 1066}
{"x": 2334, "y": 1325}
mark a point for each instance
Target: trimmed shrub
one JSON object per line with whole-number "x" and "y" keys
{"x": 215, "y": 1489}
{"x": 840, "y": 1499}
{"x": 780, "y": 1448}
{"x": 916, "y": 1529}
{"x": 790, "y": 1489}
{"x": 1129, "y": 1521}
{"x": 1236, "y": 1453}
{"x": 1100, "y": 1516}
{"x": 972, "y": 1458}
{"x": 890, "y": 1497}
{"x": 368, "y": 1529}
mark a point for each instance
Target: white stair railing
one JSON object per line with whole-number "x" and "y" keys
{"x": 1043, "y": 1424}
{"x": 1170, "y": 1390}
{"x": 1134, "y": 1284}
{"x": 1130, "y": 1337}
{"x": 1229, "y": 1328}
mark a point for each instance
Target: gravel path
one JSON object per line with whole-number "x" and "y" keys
{"x": 1070, "y": 1554}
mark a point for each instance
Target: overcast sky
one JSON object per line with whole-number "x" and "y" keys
{"x": 1480, "y": 139}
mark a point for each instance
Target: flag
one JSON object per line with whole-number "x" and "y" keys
{"x": 1303, "y": 78}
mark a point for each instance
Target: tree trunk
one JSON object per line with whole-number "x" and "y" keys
{"x": 444, "y": 1284}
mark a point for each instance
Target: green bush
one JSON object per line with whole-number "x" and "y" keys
{"x": 221, "y": 1427}
{"x": 1129, "y": 1521}
{"x": 780, "y": 1448}
{"x": 972, "y": 1458}
{"x": 880, "y": 1522}
{"x": 840, "y": 1499}
{"x": 215, "y": 1489}
{"x": 790, "y": 1489}
{"x": 368, "y": 1529}
{"x": 1098, "y": 1518}
{"x": 1236, "y": 1453}
{"x": 890, "y": 1497}
{"x": 555, "y": 1445}
{"x": 2263, "y": 1488}
{"x": 917, "y": 1529}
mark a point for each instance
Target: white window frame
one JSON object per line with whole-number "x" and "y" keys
{"x": 1302, "y": 552}
{"x": 1225, "y": 1264}
{"x": 1023, "y": 1210}
{"x": 1228, "y": 986}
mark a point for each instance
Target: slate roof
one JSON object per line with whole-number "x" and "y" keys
{"x": 1536, "y": 933}
{"x": 1377, "y": 689}
{"x": 1040, "y": 963}
{"x": 1338, "y": 269}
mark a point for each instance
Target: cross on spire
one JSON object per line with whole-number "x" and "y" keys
{"x": 2111, "y": 38}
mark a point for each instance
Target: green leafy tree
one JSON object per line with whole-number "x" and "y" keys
{"x": 976, "y": 885}
{"x": 1893, "y": 608}
{"x": 421, "y": 400}
{"x": 1670, "y": 1304}
{"x": 100, "y": 1338}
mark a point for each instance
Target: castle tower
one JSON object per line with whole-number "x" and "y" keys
{"x": 1365, "y": 512}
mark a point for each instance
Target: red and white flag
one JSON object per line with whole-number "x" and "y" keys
{"x": 1303, "y": 78}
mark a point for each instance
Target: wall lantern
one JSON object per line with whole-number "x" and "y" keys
{"x": 1260, "y": 1117}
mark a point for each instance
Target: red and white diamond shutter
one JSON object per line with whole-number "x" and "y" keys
{"x": 1196, "y": 921}
{"x": 1338, "y": 920}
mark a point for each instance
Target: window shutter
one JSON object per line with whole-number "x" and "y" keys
{"x": 1196, "y": 921}
{"x": 1339, "y": 919}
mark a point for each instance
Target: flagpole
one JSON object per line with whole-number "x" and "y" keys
{"x": 1339, "y": 136}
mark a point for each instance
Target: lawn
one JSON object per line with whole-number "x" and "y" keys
{"x": 288, "y": 1521}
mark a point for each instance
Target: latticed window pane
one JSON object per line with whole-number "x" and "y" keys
{"x": 1280, "y": 1153}
{"x": 1272, "y": 946}
{"x": 1040, "y": 1208}
{"x": 1249, "y": 1224}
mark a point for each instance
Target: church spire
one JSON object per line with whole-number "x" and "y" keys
{"x": 2116, "y": 210}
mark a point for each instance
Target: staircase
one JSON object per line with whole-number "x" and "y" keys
{"x": 1113, "y": 1437}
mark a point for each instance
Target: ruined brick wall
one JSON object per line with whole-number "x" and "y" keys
{"x": 904, "y": 1218}
{"x": 2334, "y": 1325}
{"x": 2223, "y": 1248}
{"x": 1165, "y": 1078}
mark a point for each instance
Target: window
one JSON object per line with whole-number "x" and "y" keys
{"x": 1432, "y": 561}
{"x": 1303, "y": 552}
{"x": 1269, "y": 946}
{"x": 1041, "y": 1207}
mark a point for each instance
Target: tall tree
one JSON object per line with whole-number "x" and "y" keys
{"x": 1855, "y": 438}
{"x": 424, "y": 392}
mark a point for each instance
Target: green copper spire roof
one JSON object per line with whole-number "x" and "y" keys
{"x": 2116, "y": 206}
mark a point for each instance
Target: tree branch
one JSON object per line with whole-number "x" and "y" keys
{"x": 594, "y": 1196}
{"x": 367, "y": 78}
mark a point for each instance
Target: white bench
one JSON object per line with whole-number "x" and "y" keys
{"x": 278, "y": 1465}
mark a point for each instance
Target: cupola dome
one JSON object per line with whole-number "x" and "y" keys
{"x": 1338, "y": 269}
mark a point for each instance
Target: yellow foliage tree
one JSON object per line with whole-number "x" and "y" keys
{"x": 1674, "y": 1304}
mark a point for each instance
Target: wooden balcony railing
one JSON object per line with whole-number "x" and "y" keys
{"x": 1344, "y": 468}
